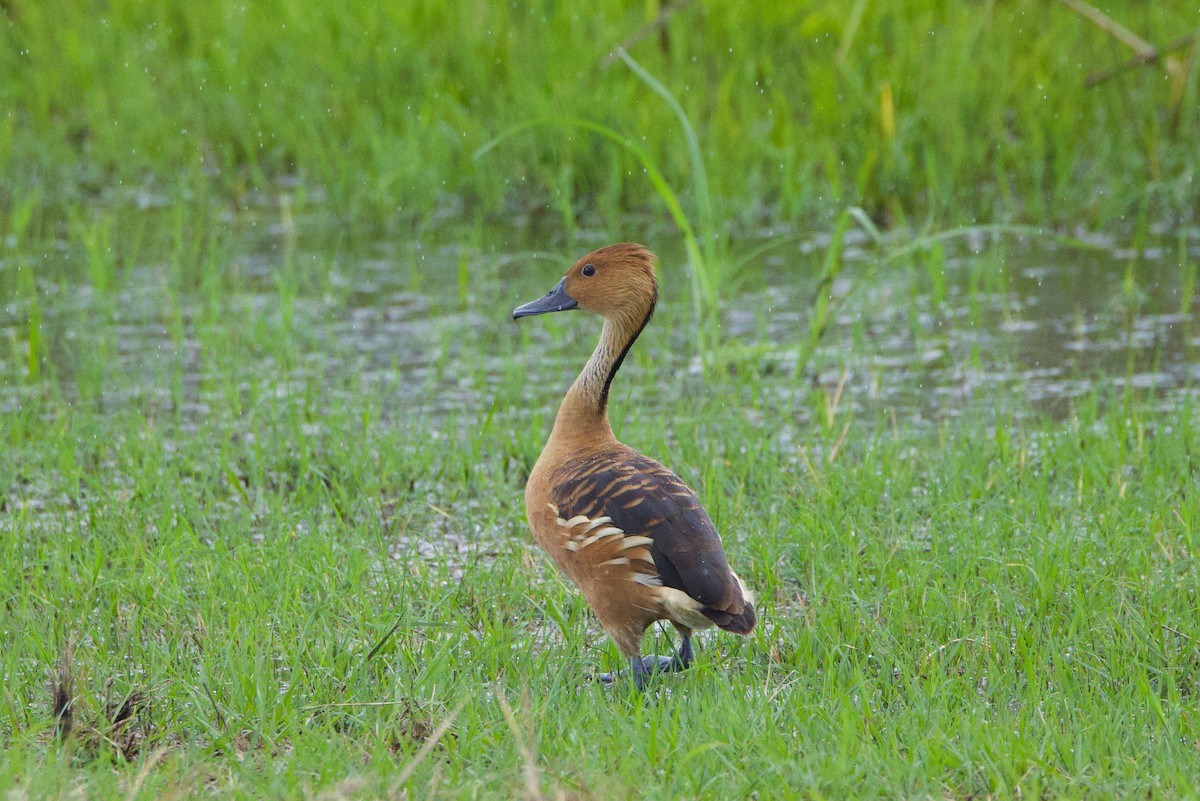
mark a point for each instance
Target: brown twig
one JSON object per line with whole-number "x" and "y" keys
{"x": 1107, "y": 23}
{"x": 427, "y": 747}
{"x": 664, "y": 15}
{"x": 63, "y": 693}
{"x": 1140, "y": 60}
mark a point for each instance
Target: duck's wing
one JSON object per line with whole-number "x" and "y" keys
{"x": 643, "y": 498}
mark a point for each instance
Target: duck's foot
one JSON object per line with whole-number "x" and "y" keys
{"x": 641, "y": 667}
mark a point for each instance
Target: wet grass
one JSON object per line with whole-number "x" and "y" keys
{"x": 265, "y": 564}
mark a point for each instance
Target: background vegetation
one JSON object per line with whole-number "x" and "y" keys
{"x": 971, "y": 111}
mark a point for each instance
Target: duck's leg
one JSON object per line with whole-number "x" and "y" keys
{"x": 683, "y": 654}
{"x": 640, "y": 668}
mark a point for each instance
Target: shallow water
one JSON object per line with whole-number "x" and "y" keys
{"x": 1013, "y": 324}
{"x": 1026, "y": 323}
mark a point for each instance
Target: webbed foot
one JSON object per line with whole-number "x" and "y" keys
{"x": 641, "y": 667}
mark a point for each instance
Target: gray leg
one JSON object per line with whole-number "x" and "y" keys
{"x": 640, "y": 668}
{"x": 683, "y": 655}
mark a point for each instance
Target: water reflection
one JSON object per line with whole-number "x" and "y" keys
{"x": 1019, "y": 324}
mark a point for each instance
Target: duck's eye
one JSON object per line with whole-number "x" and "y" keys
{"x": 589, "y": 270}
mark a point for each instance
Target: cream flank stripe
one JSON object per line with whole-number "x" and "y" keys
{"x": 579, "y": 541}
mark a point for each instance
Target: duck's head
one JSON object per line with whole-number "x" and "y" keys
{"x": 616, "y": 282}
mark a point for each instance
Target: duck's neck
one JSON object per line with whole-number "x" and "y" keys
{"x": 583, "y": 417}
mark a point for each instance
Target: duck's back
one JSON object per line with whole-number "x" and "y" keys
{"x": 637, "y": 497}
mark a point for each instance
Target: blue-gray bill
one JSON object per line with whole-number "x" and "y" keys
{"x": 555, "y": 300}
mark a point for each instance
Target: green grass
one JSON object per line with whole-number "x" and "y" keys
{"x": 216, "y": 540}
{"x": 911, "y": 109}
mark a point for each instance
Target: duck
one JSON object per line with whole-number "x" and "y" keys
{"x": 629, "y": 533}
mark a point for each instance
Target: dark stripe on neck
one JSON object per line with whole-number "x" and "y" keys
{"x": 603, "y": 406}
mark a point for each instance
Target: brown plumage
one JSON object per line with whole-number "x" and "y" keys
{"x": 624, "y": 528}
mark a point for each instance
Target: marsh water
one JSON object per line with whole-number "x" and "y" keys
{"x": 987, "y": 322}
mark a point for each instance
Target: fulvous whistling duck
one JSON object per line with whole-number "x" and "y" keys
{"x": 625, "y": 529}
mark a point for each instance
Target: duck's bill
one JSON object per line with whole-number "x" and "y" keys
{"x": 555, "y": 300}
